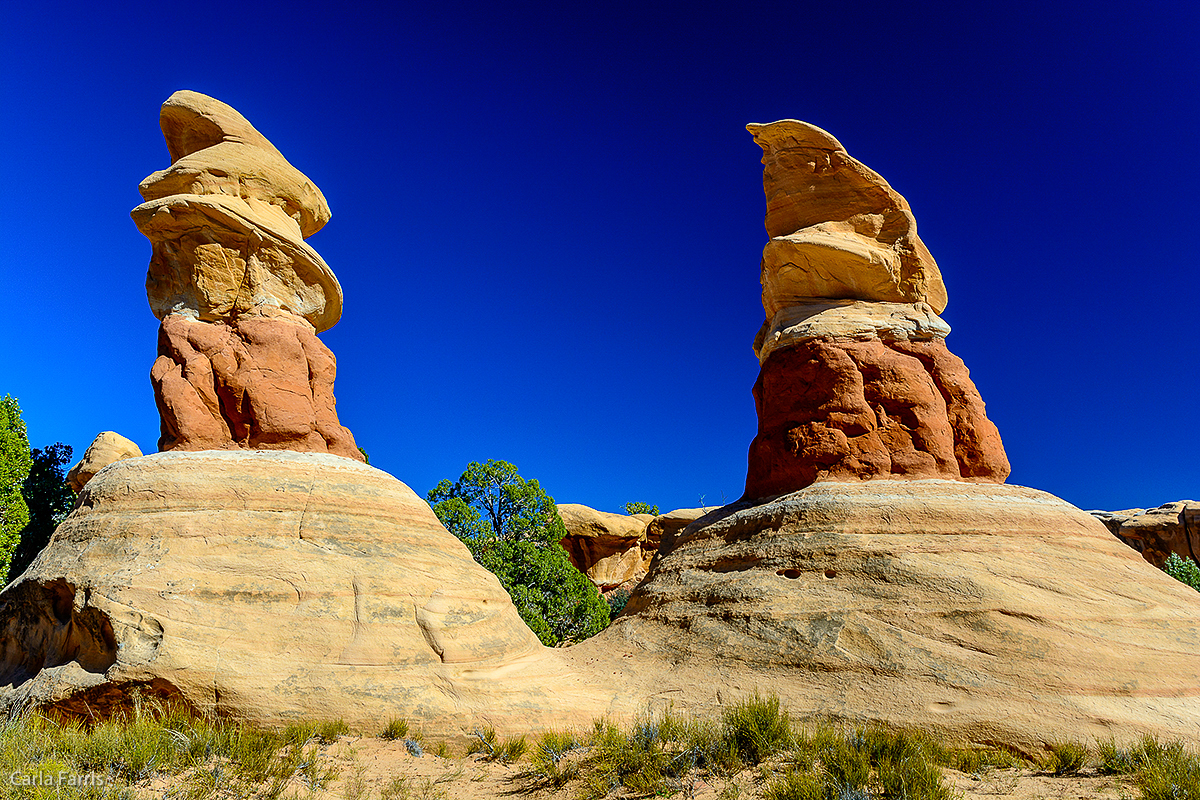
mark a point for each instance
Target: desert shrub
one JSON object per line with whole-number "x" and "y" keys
{"x": 395, "y": 729}
{"x": 757, "y": 727}
{"x": 547, "y": 765}
{"x": 616, "y": 601}
{"x": 493, "y": 749}
{"x": 1066, "y": 758}
{"x": 1168, "y": 772}
{"x": 1184, "y": 570}
{"x": 641, "y": 508}
{"x": 652, "y": 757}
{"x": 329, "y": 730}
{"x": 976, "y": 760}
{"x": 1114, "y": 760}
{"x": 866, "y": 762}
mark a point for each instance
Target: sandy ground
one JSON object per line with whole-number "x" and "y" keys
{"x": 373, "y": 769}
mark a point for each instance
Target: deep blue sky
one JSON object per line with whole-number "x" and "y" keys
{"x": 547, "y": 219}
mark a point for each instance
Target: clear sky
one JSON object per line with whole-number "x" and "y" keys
{"x": 548, "y": 218}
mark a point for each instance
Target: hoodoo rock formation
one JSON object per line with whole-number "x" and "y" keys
{"x": 267, "y": 586}
{"x": 240, "y": 294}
{"x": 877, "y": 567}
{"x": 855, "y": 381}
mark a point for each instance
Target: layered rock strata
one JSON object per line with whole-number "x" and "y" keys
{"x": 855, "y": 382}
{"x": 1156, "y": 533}
{"x": 272, "y": 586}
{"x": 987, "y": 613}
{"x": 240, "y": 294}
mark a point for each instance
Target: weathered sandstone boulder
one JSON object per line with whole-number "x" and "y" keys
{"x": 667, "y": 525}
{"x": 228, "y": 221}
{"x": 855, "y": 382}
{"x": 837, "y": 229}
{"x": 271, "y": 586}
{"x": 240, "y": 294}
{"x": 987, "y": 613}
{"x": 608, "y": 548}
{"x": 1158, "y": 532}
{"x": 107, "y": 448}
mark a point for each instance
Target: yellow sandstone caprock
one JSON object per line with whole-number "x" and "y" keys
{"x": 228, "y": 221}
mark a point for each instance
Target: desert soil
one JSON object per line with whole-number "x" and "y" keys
{"x": 368, "y": 769}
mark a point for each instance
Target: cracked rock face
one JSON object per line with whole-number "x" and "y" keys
{"x": 267, "y": 585}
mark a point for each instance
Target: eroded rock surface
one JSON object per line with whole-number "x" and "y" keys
{"x": 1158, "y": 532}
{"x": 611, "y": 549}
{"x": 856, "y": 382}
{"x": 987, "y": 613}
{"x": 240, "y": 294}
{"x": 273, "y": 586}
{"x": 256, "y": 382}
{"x": 843, "y": 409}
{"x": 108, "y": 447}
{"x": 837, "y": 229}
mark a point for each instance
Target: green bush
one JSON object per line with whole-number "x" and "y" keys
{"x": 1066, "y": 758}
{"x": 1184, "y": 570}
{"x": 395, "y": 729}
{"x": 513, "y": 530}
{"x": 641, "y": 508}
{"x": 757, "y": 728}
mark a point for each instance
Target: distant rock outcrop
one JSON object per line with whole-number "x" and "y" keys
{"x": 107, "y": 448}
{"x": 856, "y": 382}
{"x": 608, "y": 548}
{"x": 1158, "y": 532}
{"x": 240, "y": 294}
{"x": 614, "y": 550}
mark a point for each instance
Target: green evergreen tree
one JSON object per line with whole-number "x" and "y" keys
{"x": 1184, "y": 570}
{"x": 641, "y": 508}
{"x": 513, "y": 529}
{"x": 49, "y": 499}
{"x": 14, "y": 468}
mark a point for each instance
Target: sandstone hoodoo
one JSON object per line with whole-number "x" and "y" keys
{"x": 240, "y": 294}
{"x": 855, "y": 381}
{"x": 232, "y": 573}
{"x": 877, "y": 567}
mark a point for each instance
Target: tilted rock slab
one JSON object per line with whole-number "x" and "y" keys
{"x": 240, "y": 294}
{"x": 271, "y": 587}
{"x": 837, "y": 229}
{"x": 989, "y": 614}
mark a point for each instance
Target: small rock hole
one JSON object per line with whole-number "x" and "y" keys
{"x": 831, "y": 573}
{"x": 789, "y": 573}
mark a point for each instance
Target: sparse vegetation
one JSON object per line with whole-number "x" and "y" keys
{"x": 493, "y": 749}
{"x": 1067, "y": 758}
{"x": 755, "y": 749}
{"x": 395, "y": 729}
{"x": 641, "y": 508}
